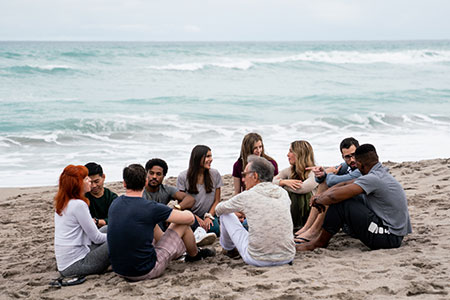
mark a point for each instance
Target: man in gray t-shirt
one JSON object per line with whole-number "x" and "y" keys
{"x": 380, "y": 221}
{"x": 156, "y": 171}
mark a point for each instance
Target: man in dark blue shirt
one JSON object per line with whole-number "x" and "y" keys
{"x": 138, "y": 248}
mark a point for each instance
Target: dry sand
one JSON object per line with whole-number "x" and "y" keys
{"x": 346, "y": 270}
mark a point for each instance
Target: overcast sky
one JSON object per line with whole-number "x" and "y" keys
{"x": 230, "y": 20}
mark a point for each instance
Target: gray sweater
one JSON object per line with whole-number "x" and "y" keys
{"x": 267, "y": 208}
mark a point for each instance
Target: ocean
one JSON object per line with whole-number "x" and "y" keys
{"x": 118, "y": 103}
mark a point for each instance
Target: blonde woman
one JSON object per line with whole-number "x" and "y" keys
{"x": 299, "y": 182}
{"x": 251, "y": 144}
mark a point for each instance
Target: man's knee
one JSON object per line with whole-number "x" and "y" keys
{"x": 179, "y": 228}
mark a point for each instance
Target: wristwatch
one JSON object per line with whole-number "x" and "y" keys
{"x": 96, "y": 221}
{"x": 177, "y": 206}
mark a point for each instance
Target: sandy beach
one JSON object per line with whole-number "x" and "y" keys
{"x": 420, "y": 269}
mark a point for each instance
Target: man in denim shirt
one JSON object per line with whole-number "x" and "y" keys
{"x": 327, "y": 178}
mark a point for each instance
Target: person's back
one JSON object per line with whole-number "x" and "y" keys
{"x": 269, "y": 240}
{"x": 138, "y": 249}
{"x": 267, "y": 208}
{"x": 130, "y": 234}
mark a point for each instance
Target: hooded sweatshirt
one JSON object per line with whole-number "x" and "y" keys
{"x": 270, "y": 229}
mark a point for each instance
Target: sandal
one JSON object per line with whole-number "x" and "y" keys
{"x": 299, "y": 240}
{"x": 67, "y": 281}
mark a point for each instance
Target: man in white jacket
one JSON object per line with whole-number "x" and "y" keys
{"x": 269, "y": 239}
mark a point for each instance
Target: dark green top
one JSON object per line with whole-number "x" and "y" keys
{"x": 99, "y": 207}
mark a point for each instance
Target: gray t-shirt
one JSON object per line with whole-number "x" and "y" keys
{"x": 163, "y": 195}
{"x": 203, "y": 200}
{"x": 386, "y": 198}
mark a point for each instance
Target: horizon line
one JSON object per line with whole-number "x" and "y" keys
{"x": 227, "y": 41}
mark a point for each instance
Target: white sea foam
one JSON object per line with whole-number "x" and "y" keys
{"x": 46, "y": 68}
{"x": 54, "y": 67}
{"x": 331, "y": 57}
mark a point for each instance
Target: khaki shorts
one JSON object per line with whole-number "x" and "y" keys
{"x": 168, "y": 248}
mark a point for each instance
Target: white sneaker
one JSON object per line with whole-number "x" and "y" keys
{"x": 202, "y": 238}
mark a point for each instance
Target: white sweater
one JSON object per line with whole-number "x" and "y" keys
{"x": 268, "y": 212}
{"x": 74, "y": 232}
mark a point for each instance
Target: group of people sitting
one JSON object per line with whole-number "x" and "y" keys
{"x": 270, "y": 216}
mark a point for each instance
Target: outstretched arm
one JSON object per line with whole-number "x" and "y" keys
{"x": 333, "y": 179}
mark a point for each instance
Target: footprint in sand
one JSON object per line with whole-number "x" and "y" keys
{"x": 420, "y": 288}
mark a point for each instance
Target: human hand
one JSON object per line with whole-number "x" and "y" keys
{"x": 207, "y": 224}
{"x": 101, "y": 223}
{"x": 333, "y": 170}
{"x": 318, "y": 171}
{"x": 200, "y": 221}
{"x": 172, "y": 203}
{"x": 292, "y": 183}
{"x": 318, "y": 206}
{"x": 241, "y": 216}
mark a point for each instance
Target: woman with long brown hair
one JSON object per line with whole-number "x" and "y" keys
{"x": 203, "y": 183}
{"x": 299, "y": 182}
{"x": 80, "y": 248}
{"x": 251, "y": 144}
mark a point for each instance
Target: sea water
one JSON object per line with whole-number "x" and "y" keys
{"x": 118, "y": 103}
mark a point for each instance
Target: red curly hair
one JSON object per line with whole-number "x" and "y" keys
{"x": 70, "y": 187}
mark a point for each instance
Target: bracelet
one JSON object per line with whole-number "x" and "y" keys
{"x": 208, "y": 215}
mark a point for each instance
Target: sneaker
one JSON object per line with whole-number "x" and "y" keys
{"x": 202, "y": 238}
{"x": 202, "y": 253}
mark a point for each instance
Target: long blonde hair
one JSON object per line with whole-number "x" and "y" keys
{"x": 304, "y": 155}
{"x": 247, "y": 147}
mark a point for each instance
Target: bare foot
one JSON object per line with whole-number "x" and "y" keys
{"x": 305, "y": 247}
{"x": 301, "y": 230}
{"x": 308, "y": 235}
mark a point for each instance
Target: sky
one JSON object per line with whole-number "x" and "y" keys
{"x": 231, "y": 20}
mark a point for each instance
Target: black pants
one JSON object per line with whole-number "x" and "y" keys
{"x": 364, "y": 224}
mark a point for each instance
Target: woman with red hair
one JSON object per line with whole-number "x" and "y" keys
{"x": 80, "y": 248}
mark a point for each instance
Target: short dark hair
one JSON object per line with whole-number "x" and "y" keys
{"x": 156, "y": 162}
{"x": 134, "y": 176}
{"x": 94, "y": 169}
{"x": 262, "y": 167}
{"x": 348, "y": 142}
{"x": 366, "y": 154}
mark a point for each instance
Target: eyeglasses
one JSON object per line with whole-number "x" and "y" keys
{"x": 245, "y": 173}
{"x": 348, "y": 156}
